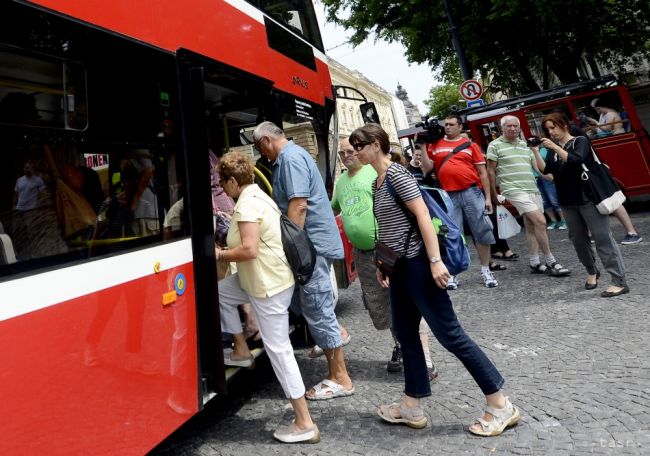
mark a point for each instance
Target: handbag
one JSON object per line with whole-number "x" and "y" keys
{"x": 222, "y": 225}
{"x": 385, "y": 258}
{"x": 605, "y": 192}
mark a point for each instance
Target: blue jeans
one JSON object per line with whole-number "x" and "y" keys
{"x": 549, "y": 194}
{"x": 469, "y": 205}
{"x": 315, "y": 302}
{"x": 413, "y": 294}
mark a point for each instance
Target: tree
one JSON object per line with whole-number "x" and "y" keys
{"x": 441, "y": 99}
{"x": 519, "y": 45}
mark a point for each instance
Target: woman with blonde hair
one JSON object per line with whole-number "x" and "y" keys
{"x": 265, "y": 280}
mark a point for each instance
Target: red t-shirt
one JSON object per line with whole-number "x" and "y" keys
{"x": 459, "y": 172}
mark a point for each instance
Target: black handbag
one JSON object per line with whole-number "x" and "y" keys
{"x": 385, "y": 258}
{"x": 605, "y": 192}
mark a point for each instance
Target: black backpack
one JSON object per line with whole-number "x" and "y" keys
{"x": 298, "y": 248}
{"x": 300, "y": 252}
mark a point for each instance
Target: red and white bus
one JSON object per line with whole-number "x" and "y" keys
{"x": 110, "y": 335}
{"x": 624, "y": 145}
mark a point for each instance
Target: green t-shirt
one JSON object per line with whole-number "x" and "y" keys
{"x": 514, "y": 166}
{"x": 353, "y": 198}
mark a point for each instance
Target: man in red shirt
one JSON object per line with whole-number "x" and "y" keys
{"x": 460, "y": 167}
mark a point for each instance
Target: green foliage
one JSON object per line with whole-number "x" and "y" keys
{"x": 441, "y": 98}
{"x": 519, "y": 45}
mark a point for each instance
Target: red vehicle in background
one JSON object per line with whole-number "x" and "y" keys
{"x": 110, "y": 331}
{"x": 624, "y": 146}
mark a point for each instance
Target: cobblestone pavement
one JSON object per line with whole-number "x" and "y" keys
{"x": 576, "y": 364}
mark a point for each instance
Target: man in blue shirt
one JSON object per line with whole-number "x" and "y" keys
{"x": 299, "y": 191}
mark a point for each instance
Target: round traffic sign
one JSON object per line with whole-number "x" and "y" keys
{"x": 471, "y": 90}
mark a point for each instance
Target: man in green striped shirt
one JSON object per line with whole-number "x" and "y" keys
{"x": 510, "y": 165}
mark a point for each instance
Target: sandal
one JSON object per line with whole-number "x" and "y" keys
{"x": 557, "y": 270}
{"x": 413, "y": 417}
{"x": 328, "y": 389}
{"x": 502, "y": 419}
{"x": 512, "y": 257}
{"x": 494, "y": 266}
{"x": 498, "y": 256}
{"x": 539, "y": 268}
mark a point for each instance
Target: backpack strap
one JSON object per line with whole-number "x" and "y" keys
{"x": 454, "y": 152}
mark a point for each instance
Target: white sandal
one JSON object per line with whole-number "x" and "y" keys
{"x": 501, "y": 420}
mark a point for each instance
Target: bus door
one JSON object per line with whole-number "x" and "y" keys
{"x": 222, "y": 106}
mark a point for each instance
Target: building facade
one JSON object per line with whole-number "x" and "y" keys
{"x": 413, "y": 115}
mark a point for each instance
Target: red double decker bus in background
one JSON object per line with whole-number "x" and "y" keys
{"x": 624, "y": 145}
{"x": 110, "y": 332}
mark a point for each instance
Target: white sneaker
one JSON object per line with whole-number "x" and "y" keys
{"x": 489, "y": 279}
{"x": 452, "y": 284}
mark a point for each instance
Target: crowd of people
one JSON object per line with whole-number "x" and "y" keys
{"x": 379, "y": 199}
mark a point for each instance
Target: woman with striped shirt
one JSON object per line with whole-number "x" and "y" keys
{"x": 418, "y": 290}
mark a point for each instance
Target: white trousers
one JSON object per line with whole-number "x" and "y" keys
{"x": 273, "y": 322}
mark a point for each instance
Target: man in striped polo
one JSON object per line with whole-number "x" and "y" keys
{"x": 510, "y": 166}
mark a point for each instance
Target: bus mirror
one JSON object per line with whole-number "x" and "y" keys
{"x": 369, "y": 113}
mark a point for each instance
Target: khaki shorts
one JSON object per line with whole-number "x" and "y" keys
{"x": 526, "y": 202}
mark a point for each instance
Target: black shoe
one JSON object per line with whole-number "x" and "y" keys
{"x": 592, "y": 286}
{"x": 395, "y": 363}
{"x": 611, "y": 294}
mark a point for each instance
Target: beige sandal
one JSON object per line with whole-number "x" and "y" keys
{"x": 411, "y": 416}
{"x": 501, "y": 420}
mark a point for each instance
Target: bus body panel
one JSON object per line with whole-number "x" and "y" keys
{"x": 222, "y": 32}
{"x": 54, "y": 385}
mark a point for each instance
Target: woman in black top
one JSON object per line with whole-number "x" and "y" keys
{"x": 564, "y": 160}
{"x": 418, "y": 290}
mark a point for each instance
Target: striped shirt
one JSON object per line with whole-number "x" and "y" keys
{"x": 514, "y": 166}
{"x": 394, "y": 225}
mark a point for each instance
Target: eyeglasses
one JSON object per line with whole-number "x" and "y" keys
{"x": 359, "y": 146}
{"x": 347, "y": 152}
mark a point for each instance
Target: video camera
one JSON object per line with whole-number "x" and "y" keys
{"x": 433, "y": 131}
{"x": 533, "y": 141}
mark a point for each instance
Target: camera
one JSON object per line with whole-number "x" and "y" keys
{"x": 533, "y": 141}
{"x": 433, "y": 131}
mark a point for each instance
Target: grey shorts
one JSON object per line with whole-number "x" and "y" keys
{"x": 375, "y": 298}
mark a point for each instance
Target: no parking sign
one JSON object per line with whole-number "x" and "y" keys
{"x": 471, "y": 90}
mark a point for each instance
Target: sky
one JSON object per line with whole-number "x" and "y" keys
{"x": 383, "y": 63}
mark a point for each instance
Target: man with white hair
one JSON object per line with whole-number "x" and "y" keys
{"x": 300, "y": 194}
{"x": 510, "y": 165}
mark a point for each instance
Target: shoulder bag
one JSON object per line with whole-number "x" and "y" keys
{"x": 605, "y": 192}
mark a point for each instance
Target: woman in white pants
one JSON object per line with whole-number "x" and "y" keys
{"x": 264, "y": 279}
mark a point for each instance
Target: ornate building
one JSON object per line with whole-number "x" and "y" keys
{"x": 412, "y": 111}
{"x": 391, "y": 116}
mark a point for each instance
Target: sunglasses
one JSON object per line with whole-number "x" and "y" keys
{"x": 359, "y": 146}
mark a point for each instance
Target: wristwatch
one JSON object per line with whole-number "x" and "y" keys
{"x": 435, "y": 259}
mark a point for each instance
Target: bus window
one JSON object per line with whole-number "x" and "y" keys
{"x": 71, "y": 188}
{"x": 602, "y": 116}
{"x": 297, "y": 15}
{"x": 43, "y": 91}
{"x": 534, "y": 118}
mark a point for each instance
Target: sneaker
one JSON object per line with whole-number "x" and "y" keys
{"x": 561, "y": 225}
{"x": 395, "y": 363}
{"x": 247, "y": 363}
{"x": 289, "y": 434}
{"x": 630, "y": 239}
{"x": 452, "y": 284}
{"x": 551, "y": 225}
{"x": 489, "y": 279}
